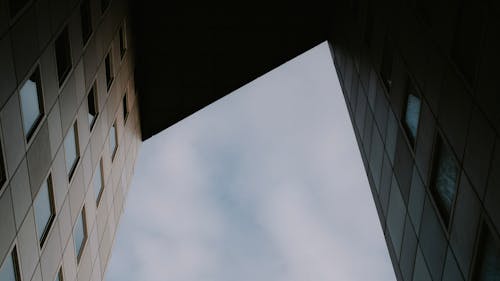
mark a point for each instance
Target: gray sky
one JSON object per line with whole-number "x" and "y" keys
{"x": 265, "y": 184}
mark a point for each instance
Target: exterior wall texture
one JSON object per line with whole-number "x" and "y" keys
{"x": 447, "y": 53}
{"x": 28, "y": 45}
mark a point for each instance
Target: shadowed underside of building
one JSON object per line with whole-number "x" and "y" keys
{"x": 83, "y": 81}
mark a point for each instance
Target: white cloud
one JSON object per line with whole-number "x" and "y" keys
{"x": 265, "y": 184}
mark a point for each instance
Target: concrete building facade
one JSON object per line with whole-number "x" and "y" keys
{"x": 419, "y": 80}
{"x": 70, "y": 133}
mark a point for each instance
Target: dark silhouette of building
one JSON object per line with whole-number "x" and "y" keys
{"x": 419, "y": 78}
{"x": 420, "y": 82}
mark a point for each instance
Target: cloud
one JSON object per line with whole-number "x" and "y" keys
{"x": 265, "y": 184}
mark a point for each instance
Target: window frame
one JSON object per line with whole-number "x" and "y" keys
{"x": 108, "y": 65}
{"x": 409, "y": 89}
{"x": 62, "y": 77}
{"x": 101, "y": 190}
{"x": 86, "y": 15}
{"x": 439, "y": 143}
{"x": 13, "y": 255}
{"x": 122, "y": 38}
{"x": 83, "y": 216}
{"x": 113, "y": 152}
{"x": 125, "y": 108}
{"x": 93, "y": 91}
{"x": 36, "y": 76}
{"x": 50, "y": 222}
{"x": 72, "y": 169}
{"x": 485, "y": 227}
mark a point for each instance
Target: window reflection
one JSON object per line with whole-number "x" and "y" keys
{"x": 31, "y": 104}
{"x": 412, "y": 113}
{"x": 80, "y": 233}
{"x": 444, "y": 179}
{"x": 488, "y": 260}
{"x": 9, "y": 270}
{"x": 44, "y": 210}
{"x": 71, "y": 149}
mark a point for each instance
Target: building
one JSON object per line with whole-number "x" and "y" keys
{"x": 70, "y": 134}
{"x": 418, "y": 78}
{"x": 419, "y": 82}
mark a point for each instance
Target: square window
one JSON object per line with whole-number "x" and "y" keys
{"x": 123, "y": 42}
{"x": 71, "y": 149}
{"x": 63, "y": 56}
{"x": 86, "y": 21}
{"x": 109, "y": 70}
{"x": 125, "y": 107}
{"x": 386, "y": 66}
{"x": 15, "y": 7}
{"x": 412, "y": 112}
{"x": 104, "y": 5}
{"x": 444, "y": 179}
{"x": 44, "y": 210}
{"x": 98, "y": 182}
{"x": 80, "y": 234}
{"x": 92, "y": 106}
{"x": 113, "y": 141}
{"x": 487, "y": 266}
{"x": 10, "y": 267}
{"x": 31, "y": 103}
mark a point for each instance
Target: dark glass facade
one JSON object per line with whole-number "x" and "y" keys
{"x": 419, "y": 83}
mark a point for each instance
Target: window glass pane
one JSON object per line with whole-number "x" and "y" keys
{"x": 8, "y": 272}
{"x": 112, "y": 140}
{"x": 445, "y": 178}
{"x": 109, "y": 71}
{"x": 412, "y": 115}
{"x": 30, "y": 103}
{"x": 63, "y": 55}
{"x": 43, "y": 210}
{"x": 123, "y": 46}
{"x": 488, "y": 265}
{"x": 59, "y": 276}
{"x": 71, "y": 149}
{"x": 98, "y": 181}
{"x": 92, "y": 106}
{"x": 79, "y": 233}
{"x": 125, "y": 107}
{"x": 86, "y": 21}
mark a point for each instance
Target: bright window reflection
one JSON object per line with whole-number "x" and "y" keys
{"x": 44, "y": 210}
{"x": 30, "y": 104}
{"x": 71, "y": 149}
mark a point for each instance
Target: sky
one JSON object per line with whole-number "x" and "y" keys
{"x": 265, "y": 184}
